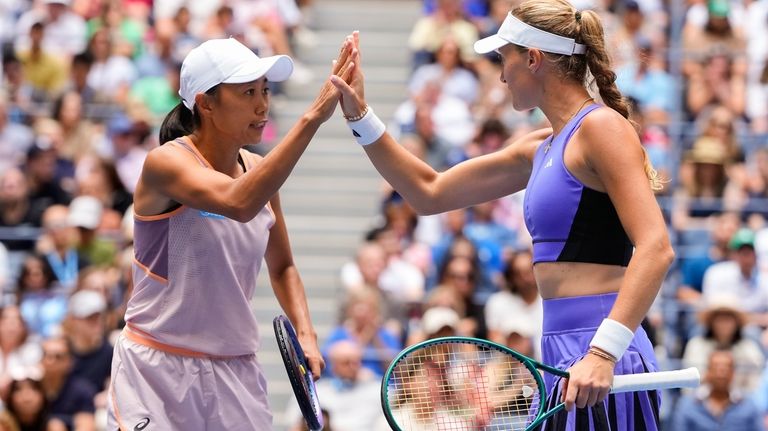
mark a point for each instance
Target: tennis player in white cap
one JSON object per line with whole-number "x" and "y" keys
{"x": 600, "y": 244}
{"x": 206, "y": 214}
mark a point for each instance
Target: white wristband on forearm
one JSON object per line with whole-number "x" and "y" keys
{"x": 612, "y": 337}
{"x": 368, "y": 129}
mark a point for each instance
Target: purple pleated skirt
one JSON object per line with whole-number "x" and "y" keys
{"x": 569, "y": 325}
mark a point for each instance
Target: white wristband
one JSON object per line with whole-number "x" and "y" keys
{"x": 612, "y": 337}
{"x": 368, "y": 129}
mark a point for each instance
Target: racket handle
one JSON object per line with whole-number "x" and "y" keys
{"x": 687, "y": 378}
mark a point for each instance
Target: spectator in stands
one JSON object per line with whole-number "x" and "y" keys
{"x": 642, "y": 79}
{"x": 128, "y": 33}
{"x": 715, "y": 62}
{"x": 15, "y": 138}
{"x": 70, "y": 398}
{"x": 520, "y": 297}
{"x": 18, "y": 350}
{"x": 125, "y": 150}
{"x": 42, "y": 169}
{"x": 717, "y": 79}
{"x": 491, "y": 137}
{"x": 717, "y": 405}
{"x": 362, "y": 323}
{"x": 450, "y": 71}
{"x": 461, "y": 275}
{"x": 45, "y": 71}
{"x": 79, "y": 134}
{"x": 403, "y": 281}
{"x": 703, "y": 193}
{"x": 738, "y": 276}
{"x": 85, "y": 332}
{"x": 430, "y": 30}
{"x": 78, "y": 80}
{"x": 111, "y": 74}
{"x": 758, "y": 177}
{"x": 42, "y": 305}
{"x": 16, "y": 208}
{"x": 350, "y": 395}
{"x": 28, "y": 408}
{"x": 64, "y": 30}
{"x": 437, "y": 321}
{"x": 722, "y": 326}
{"x": 58, "y": 245}
{"x": 98, "y": 177}
{"x": 85, "y": 213}
{"x": 493, "y": 241}
{"x": 364, "y": 272}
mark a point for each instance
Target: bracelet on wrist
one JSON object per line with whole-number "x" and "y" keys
{"x": 597, "y": 352}
{"x": 359, "y": 116}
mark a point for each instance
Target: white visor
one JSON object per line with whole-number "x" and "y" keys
{"x": 516, "y": 32}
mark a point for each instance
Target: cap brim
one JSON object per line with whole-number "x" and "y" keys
{"x": 489, "y": 44}
{"x": 276, "y": 68}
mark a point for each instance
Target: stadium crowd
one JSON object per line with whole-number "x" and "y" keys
{"x": 86, "y": 82}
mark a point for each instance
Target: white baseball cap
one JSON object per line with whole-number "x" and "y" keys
{"x": 85, "y": 211}
{"x": 227, "y": 61}
{"x": 86, "y": 303}
{"x": 437, "y": 318}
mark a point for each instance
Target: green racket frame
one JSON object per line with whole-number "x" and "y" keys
{"x": 532, "y": 365}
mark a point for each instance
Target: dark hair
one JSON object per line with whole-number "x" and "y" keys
{"x": 85, "y": 58}
{"x": 181, "y": 121}
{"x": 48, "y": 273}
{"x": 40, "y": 421}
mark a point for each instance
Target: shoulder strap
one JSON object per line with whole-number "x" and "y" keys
{"x": 189, "y": 147}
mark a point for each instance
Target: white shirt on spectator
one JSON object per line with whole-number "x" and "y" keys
{"x": 15, "y": 140}
{"x": 108, "y": 77}
{"x": 460, "y": 83}
{"x": 756, "y": 32}
{"x": 725, "y": 278}
{"x": 503, "y": 304}
{"x": 351, "y": 406}
{"x": 65, "y": 36}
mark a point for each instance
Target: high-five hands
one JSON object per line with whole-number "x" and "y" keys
{"x": 352, "y": 87}
{"x": 342, "y": 68}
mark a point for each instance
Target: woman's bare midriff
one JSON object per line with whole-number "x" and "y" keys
{"x": 567, "y": 279}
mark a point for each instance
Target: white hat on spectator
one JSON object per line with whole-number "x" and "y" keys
{"x": 85, "y": 211}
{"x": 437, "y": 318}
{"x": 227, "y": 61}
{"x": 517, "y": 323}
{"x": 86, "y": 303}
{"x": 64, "y": 2}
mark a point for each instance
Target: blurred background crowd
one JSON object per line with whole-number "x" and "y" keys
{"x": 85, "y": 84}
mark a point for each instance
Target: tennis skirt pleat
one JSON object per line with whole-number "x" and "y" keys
{"x": 569, "y": 325}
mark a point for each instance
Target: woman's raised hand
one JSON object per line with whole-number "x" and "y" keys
{"x": 343, "y": 67}
{"x": 352, "y": 87}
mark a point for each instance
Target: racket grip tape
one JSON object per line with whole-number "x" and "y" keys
{"x": 687, "y": 378}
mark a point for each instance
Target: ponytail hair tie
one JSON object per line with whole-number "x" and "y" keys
{"x": 578, "y": 15}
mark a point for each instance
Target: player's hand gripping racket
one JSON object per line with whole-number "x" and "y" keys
{"x": 299, "y": 373}
{"x": 460, "y": 383}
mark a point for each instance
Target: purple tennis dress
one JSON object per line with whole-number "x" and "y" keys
{"x": 570, "y": 222}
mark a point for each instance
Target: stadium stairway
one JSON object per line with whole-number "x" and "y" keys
{"x": 331, "y": 199}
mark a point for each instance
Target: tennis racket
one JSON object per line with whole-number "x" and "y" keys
{"x": 299, "y": 373}
{"x": 461, "y": 383}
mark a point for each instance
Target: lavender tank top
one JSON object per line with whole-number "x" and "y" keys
{"x": 194, "y": 274}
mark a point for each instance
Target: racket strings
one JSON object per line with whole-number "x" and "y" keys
{"x": 462, "y": 386}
